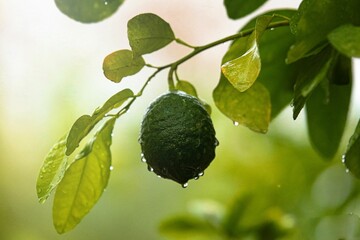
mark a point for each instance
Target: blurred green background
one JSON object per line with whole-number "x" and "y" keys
{"x": 50, "y": 74}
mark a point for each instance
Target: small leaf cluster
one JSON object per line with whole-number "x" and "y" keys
{"x": 283, "y": 57}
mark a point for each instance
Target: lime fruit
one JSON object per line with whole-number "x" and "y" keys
{"x": 177, "y": 137}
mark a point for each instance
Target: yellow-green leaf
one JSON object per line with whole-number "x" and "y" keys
{"x": 251, "y": 108}
{"x": 52, "y": 170}
{"x": 187, "y": 87}
{"x": 120, "y": 64}
{"x": 84, "y": 181}
{"x": 243, "y": 71}
{"x": 86, "y": 123}
{"x": 148, "y": 32}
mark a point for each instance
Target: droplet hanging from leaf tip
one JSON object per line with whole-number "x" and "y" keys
{"x": 185, "y": 185}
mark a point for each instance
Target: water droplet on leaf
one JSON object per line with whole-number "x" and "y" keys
{"x": 347, "y": 170}
{"x": 185, "y": 185}
{"x": 236, "y": 123}
{"x": 343, "y": 158}
{"x": 111, "y": 168}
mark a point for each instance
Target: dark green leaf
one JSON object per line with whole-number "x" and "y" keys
{"x": 84, "y": 181}
{"x": 239, "y": 8}
{"x": 346, "y": 39}
{"x": 326, "y": 111}
{"x": 315, "y": 20}
{"x": 121, "y": 64}
{"x": 352, "y": 155}
{"x": 52, "y": 170}
{"x": 148, "y": 32}
{"x": 88, "y": 11}
{"x": 244, "y": 70}
{"x": 312, "y": 71}
{"x": 251, "y": 108}
{"x": 86, "y": 123}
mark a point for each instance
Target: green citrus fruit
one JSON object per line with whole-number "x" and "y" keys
{"x": 177, "y": 137}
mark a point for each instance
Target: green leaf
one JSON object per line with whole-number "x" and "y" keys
{"x": 326, "y": 111}
{"x": 239, "y": 8}
{"x": 86, "y": 123}
{"x": 312, "y": 71}
{"x": 346, "y": 39}
{"x": 187, "y": 87}
{"x": 351, "y": 157}
{"x": 148, "y": 32}
{"x": 88, "y": 11}
{"x": 315, "y": 20}
{"x": 52, "y": 170}
{"x": 84, "y": 181}
{"x": 251, "y": 108}
{"x": 276, "y": 76}
{"x": 244, "y": 70}
{"x": 121, "y": 64}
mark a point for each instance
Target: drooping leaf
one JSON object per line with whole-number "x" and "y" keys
{"x": 352, "y": 154}
{"x": 346, "y": 39}
{"x": 52, "y": 170}
{"x": 251, "y": 108}
{"x": 244, "y": 70}
{"x": 276, "y": 76}
{"x": 326, "y": 112}
{"x": 84, "y": 181}
{"x": 315, "y": 20}
{"x": 88, "y": 11}
{"x": 148, "y": 32}
{"x": 121, "y": 64}
{"x": 239, "y": 8}
{"x": 312, "y": 71}
{"x": 187, "y": 87}
{"x": 86, "y": 123}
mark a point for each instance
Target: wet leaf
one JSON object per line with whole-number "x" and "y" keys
{"x": 244, "y": 70}
{"x": 84, "y": 181}
{"x": 86, "y": 123}
{"x": 121, "y": 64}
{"x": 352, "y": 154}
{"x": 251, "y": 108}
{"x": 315, "y": 20}
{"x": 326, "y": 112}
{"x": 239, "y": 8}
{"x": 88, "y": 11}
{"x": 346, "y": 40}
{"x": 148, "y": 32}
{"x": 52, "y": 170}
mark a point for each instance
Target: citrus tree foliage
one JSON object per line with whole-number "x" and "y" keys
{"x": 299, "y": 57}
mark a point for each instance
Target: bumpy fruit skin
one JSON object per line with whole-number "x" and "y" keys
{"x": 177, "y": 137}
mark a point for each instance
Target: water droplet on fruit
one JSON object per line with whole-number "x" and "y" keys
{"x": 111, "y": 168}
{"x": 159, "y": 176}
{"x": 236, "y": 123}
{"x": 150, "y": 169}
{"x": 216, "y": 142}
{"x": 185, "y": 185}
{"x": 347, "y": 170}
{"x": 272, "y": 29}
{"x": 196, "y": 178}
{"x": 201, "y": 174}
{"x": 143, "y": 158}
{"x": 343, "y": 158}
{"x": 106, "y": 3}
